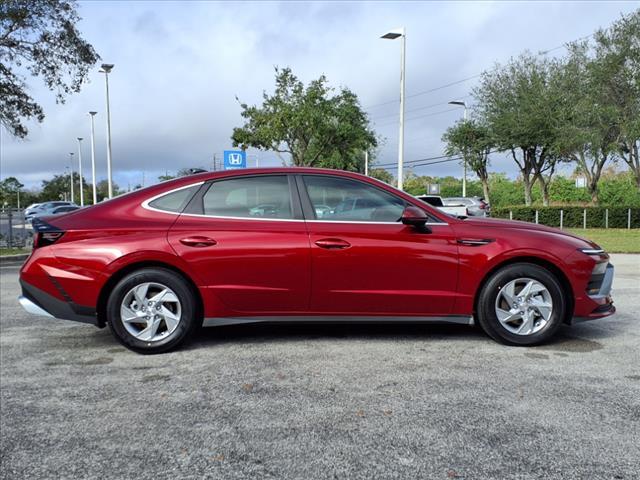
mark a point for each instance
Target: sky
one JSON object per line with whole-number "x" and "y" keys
{"x": 181, "y": 66}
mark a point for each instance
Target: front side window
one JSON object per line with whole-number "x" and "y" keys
{"x": 342, "y": 199}
{"x": 174, "y": 201}
{"x": 250, "y": 197}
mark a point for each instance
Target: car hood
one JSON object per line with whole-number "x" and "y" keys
{"x": 519, "y": 225}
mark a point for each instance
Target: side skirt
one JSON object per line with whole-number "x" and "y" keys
{"x": 220, "y": 321}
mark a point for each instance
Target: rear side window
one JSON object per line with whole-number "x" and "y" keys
{"x": 174, "y": 201}
{"x": 250, "y": 197}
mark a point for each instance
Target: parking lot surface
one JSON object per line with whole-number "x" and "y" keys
{"x": 339, "y": 401}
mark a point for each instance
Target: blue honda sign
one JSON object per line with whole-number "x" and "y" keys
{"x": 234, "y": 159}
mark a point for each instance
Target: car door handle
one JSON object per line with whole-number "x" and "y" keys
{"x": 198, "y": 241}
{"x": 332, "y": 243}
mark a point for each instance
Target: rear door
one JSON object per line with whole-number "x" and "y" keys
{"x": 246, "y": 238}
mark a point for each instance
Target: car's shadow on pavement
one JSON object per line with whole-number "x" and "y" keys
{"x": 564, "y": 341}
{"x": 303, "y": 332}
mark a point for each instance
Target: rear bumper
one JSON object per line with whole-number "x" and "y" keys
{"x": 39, "y": 302}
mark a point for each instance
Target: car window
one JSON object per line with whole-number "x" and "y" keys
{"x": 250, "y": 197}
{"x": 174, "y": 201}
{"x": 459, "y": 201}
{"x": 433, "y": 201}
{"x": 349, "y": 200}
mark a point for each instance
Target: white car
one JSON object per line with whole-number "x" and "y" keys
{"x": 46, "y": 208}
{"x": 436, "y": 201}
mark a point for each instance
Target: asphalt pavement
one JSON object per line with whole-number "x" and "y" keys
{"x": 306, "y": 402}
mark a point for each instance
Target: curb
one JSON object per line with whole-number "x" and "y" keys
{"x": 9, "y": 260}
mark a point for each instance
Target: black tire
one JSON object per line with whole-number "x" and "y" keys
{"x": 486, "y": 312}
{"x": 187, "y": 324}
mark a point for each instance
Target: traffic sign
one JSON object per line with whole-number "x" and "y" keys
{"x": 235, "y": 159}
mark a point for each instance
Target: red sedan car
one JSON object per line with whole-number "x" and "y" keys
{"x": 302, "y": 244}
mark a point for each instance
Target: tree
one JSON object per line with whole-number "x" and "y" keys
{"x": 58, "y": 188}
{"x": 311, "y": 124}
{"x": 473, "y": 142}
{"x": 588, "y": 122}
{"x": 102, "y": 190}
{"x": 9, "y": 188}
{"x": 519, "y": 108}
{"x": 382, "y": 175}
{"x": 617, "y": 62}
{"x": 39, "y": 36}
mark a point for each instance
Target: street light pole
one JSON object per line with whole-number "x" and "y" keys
{"x": 71, "y": 175}
{"x": 366, "y": 163}
{"x": 106, "y": 68}
{"x": 464, "y": 159}
{"x": 392, "y": 35}
{"x": 80, "y": 171}
{"x": 93, "y": 157}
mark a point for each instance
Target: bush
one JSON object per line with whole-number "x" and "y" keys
{"x": 572, "y": 216}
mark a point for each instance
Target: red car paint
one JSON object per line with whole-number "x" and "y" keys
{"x": 254, "y": 267}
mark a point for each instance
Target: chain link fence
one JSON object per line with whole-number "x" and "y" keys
{"x": 15, "y": 231}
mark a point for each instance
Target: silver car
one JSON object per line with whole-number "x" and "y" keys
{"x": 476, "y": 206}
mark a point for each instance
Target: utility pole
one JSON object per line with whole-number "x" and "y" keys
{"x": 71, "y": 175}
{"x": 366, "y": 163}
{"x": 106, "y": 69}
{"x": 93, "y": 157}
{"x": 392, "y": 35}
{"x": 80, "y": 171}
{"x": 464, "y": 160}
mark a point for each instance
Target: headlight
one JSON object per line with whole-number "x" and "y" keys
{"x": 592, "y": 251}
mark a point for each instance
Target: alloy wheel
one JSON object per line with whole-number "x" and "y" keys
{"x": 524, "y": 306}
{"x": 150, "y": 311}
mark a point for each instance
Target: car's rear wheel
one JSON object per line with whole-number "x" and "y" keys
{"x": 521, "y": 304}
{"x": 152, "y": 310}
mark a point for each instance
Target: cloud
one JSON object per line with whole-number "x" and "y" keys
{"x": 179, "y": 67}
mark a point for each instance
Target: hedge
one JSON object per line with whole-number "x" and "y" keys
{"x": 572, "y": 216}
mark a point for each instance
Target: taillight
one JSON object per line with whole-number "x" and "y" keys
{"x": 46, "y": 238}
{"x": 482, "y": 206}
{"x": 45, "y": 233}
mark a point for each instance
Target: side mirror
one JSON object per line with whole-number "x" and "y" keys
{"x": 415, "y": 217}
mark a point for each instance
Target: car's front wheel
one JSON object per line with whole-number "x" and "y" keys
{"x": 152, "y": 310}
{"x": 521, "y": 304}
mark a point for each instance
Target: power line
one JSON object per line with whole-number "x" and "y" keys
{"x": 437, "y": 157}
{"x": 452, "y": 159}
{"x": 457, "y": 82}
{"x": 419, "y": 117}
{"x": 418, "y": 109}
{"x": 435, "y": 89}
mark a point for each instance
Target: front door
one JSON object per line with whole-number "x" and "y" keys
{"x": 249, "y": 244}
{"x": 366, "y": 262}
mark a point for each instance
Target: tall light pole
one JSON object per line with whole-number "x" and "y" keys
{"x": 392, "y": 35}
{"x": 66, "y": 169}
{"x": 464, "y": 160}
{"x": 71, "y": 175}
{"x": 93, "y": 157}
{"x": 366, "y": 162}
{"x": 106, "y": 68}
{"x": 80, "y": 171}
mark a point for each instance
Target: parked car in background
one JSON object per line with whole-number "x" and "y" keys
{"x": 476, "y": 206}
{"x": 64, "y": 209}
{"x": 31, "y": 208}
{"x": 458, "y": 210}
{"x": 250, "y": 245}
{"x": 45, "y": 209}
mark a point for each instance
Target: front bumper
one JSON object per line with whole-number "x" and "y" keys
{"x": 601, "y": 301}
